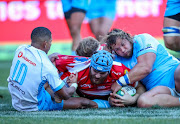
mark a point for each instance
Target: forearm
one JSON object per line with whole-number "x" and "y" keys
{"x": 138, "y": 73}
{"x": 49, "y": 90}
{"x": 66, "y": 92}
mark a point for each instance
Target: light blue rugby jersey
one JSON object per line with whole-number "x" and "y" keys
{"x": 30, "y": 70}
{"x": 163, "y": 65}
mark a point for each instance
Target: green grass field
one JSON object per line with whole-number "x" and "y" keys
{"x": 130, "y": 115}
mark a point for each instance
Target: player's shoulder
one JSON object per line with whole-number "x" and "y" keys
{"x": 118, "y": 65}
{"x": 144, "y": 37}
{"x": 22, "y": 47}
{"x": 45, "y": 62}
{"x": 118, "y": 69}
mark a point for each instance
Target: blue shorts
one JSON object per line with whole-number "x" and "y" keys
{"x": 167, "y": 80}
{"x": 80, "y": 4}
{"x": 102, "y": 103}
{"x": 172, "y": 8}
{"x": 51, "y": 105}
{"x": 105, "y": 8}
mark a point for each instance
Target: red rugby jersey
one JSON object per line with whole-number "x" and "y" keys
{"x": 70, "y": 64}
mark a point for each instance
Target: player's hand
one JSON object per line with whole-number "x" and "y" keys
{"x": 73, "y": 78}
{"x": 113, "y": 101}
{"x": 126, "y": 99}
{"x": 115, "y": 87}
{"x": 53, "y": 57}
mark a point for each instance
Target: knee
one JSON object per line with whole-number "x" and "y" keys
{"x": 143, "y": 102}
{"x": 169, "y": 42}
{"x": 74, "y": 30}
{"x": 99, "y": 34}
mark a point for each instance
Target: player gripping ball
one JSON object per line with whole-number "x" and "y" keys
{"x": 129, "y": 89}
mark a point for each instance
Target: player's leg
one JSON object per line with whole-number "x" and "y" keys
{"x": 171, "y": 26}
{"x": 177, "y": 78}
{"x": 100, "y": 26}
{"x": 101, "y": 16}
{"x": 79, "y": 103}
{"x": 71, "y": 103}
{"x": 74, "y": 24}
{"x": 160, "y": 95}
{"x": 74, "y": 11}
{"x": 172, "y": 33}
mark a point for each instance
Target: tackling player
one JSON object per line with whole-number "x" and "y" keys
{"x": 30, "y": 70}
{"x": 150, "y": 63}
{"x": 95, "y": 76}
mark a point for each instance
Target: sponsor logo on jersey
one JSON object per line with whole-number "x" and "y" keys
{"x": 20, "y": 55}
{"x": 86, "y": 85}
{"x": 125, "y": 71}
{"x": 147, "y": 47}
{"x": 16, "y": 87}
{"x": 116, "y": 73}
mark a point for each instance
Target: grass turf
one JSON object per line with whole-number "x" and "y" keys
{"x": 130, "y": 115}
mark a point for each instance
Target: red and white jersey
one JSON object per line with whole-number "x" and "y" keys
{"x": 71, "y": 64}
{"x": 101, "y": 47}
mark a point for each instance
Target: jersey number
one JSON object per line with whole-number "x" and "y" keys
{"x": 21, "y": 72}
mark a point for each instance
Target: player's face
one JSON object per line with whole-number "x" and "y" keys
{"x": 123, "y": 48}
{"x": 97, "y": 77}
{"x": 48, "y": 45}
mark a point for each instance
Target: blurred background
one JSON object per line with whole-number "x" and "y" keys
{"x": 19, "y": 17}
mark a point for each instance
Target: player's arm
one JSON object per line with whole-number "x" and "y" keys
{"x": 139, "y": 71}
{"x": 67, "y": 92}
{"x": 143, "y": 67}
{"x": 53, "y": 57}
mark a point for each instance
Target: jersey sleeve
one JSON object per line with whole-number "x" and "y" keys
{"x": 145, "y": 43}
{"x": 50, "y": 74}
{"x": 55, "y": 82}
{"x": 118, "y": 70}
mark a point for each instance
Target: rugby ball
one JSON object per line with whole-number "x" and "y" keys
{"x": 129, "y": 89}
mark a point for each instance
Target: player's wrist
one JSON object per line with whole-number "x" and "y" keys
{"x": 75, "y": 85}
{"x": 124, "y": 80}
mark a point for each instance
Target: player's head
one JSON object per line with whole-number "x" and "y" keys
{"x": 120, "y": 42}
{"x": 41, "y": 38}
{"x": 87, "y": 47}
{"x": 100, "y": 66}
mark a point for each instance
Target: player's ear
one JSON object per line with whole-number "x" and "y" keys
{"x": 44, "y": 44}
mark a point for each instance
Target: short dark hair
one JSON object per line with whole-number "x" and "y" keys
{"x": 40, "y": 34}
{"x": 117, "y": 33}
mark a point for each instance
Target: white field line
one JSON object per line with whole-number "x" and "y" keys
{"x": 3, "y": 88}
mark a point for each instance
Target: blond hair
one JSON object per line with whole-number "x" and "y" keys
{"x": 87, "y": 47}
